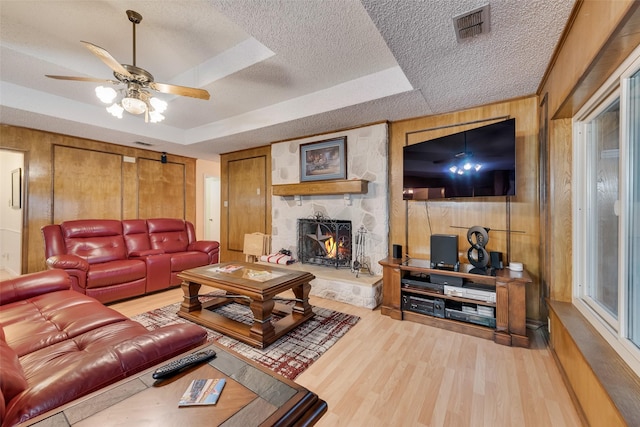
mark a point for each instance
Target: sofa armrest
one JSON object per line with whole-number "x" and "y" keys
{"x": 33, "y": 284}
{"x": 144, "y": 351}
{"x": 68, "y": 262}
{"x": 144, "y": 253}
{"x": 76, "y": 267}
{"x": 207, "y": 246}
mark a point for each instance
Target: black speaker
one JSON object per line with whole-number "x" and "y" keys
{"x": 444, "y": 250}
{"x": 163, "y": 158}
{"x": 496, "y": 260}
{"x": 397, "y": 251}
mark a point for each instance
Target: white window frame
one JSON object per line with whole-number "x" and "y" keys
{"x": 613, "y": 330}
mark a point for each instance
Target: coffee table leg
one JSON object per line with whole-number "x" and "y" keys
{"x": 262, "y": 328}
{"x": 302, "y": 293}
{"x": 190, "y": 302}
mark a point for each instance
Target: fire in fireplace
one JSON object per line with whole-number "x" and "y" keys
{"x": 324, "y": 241}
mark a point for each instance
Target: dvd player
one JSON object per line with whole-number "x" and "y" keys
{"x": 443, "y": 279}
{"x": 472, "y": 291}
{"x": 471, "y": 318}
{"x": 423, "y": 284}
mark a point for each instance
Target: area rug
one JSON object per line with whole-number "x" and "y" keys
{"x": 289, "y": 356}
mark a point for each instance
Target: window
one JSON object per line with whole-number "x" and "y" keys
{"x": 633, "y": 299}
{"x": 607, "y": 211}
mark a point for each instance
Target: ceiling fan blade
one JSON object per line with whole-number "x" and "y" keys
{"x": 82, "y": 79}
{"x": 180, "y": 90}
{"x": 107, "y": 58}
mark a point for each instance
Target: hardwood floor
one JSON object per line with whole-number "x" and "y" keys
{"x": 386, "y": 372}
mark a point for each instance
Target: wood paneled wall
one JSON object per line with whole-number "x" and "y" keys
{"x": 599, "y": 37}
{"x": 71, "y": 178}
{"x": 412, "y": 222}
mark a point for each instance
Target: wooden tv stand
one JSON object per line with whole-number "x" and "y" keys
{"x": 510, "y": 305}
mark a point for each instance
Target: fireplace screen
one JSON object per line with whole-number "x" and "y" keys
{"x": 324, "y": 241}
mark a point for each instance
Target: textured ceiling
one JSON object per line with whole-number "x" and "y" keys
{"x": 276, "y": 69}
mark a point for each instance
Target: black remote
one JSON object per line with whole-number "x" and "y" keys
{"x": 183, "y": 363}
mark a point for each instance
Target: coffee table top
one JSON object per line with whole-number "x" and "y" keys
{"x": 253, "y": 395}
{"x": 246, "y": 276}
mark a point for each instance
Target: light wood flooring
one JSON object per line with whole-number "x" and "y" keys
{"x": 386, "y": 372}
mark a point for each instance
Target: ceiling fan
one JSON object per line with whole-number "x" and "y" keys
{"x": 136, "y": 98}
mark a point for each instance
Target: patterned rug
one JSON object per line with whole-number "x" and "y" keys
{"x": 289, "y": 356}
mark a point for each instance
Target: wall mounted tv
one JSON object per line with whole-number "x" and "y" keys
{"x": 480, "y": 162}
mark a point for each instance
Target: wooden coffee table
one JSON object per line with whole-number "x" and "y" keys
{"x": 252, "y": 284}
{"x": 252, "y": 396}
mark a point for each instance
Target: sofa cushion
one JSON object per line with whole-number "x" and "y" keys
{"x": 168, "y": 234}
{"x": 136, "y": 236}
{"x": 185, "y": 260}
{"x": 47, "y": 319}
{"x": 12, "y": 380}
{"x": 115, "y": 272}
{"x": 95, "y": 240}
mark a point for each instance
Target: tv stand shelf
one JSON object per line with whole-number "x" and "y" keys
{"x": 429, "y": 294}
{"x": 509, "y": 306}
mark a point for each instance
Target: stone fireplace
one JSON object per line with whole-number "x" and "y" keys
{"x": 367, "y": 160}
{"x": 324, "y": 241}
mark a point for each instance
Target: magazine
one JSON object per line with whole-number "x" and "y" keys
{"x": 202, "y": 392}
{"x": 228, "y": 268}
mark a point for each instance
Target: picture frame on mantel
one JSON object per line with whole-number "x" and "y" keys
{"x": 16, "y": 188}
{"x": 324, "y": 160}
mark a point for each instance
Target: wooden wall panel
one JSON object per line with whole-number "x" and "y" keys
{"x": 561, "y": 205}
{"x": 592, "y": 398}
{"x": 412, "y": 222}
{"x": 79, "y": 171}
{"x": 38, "y": 148}
{"x": 588, "y": 54}
{"x": 161, "y": 189}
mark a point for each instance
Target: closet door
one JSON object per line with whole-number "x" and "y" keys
{"x": 246, "y": 207}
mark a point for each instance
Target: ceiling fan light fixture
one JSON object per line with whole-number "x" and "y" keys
{"x": 158, "y": 105}
{"x": 135, "y": 98}
{"x": 116, "y": 110}
{"x": 155, "y": 117}
{"x": 133, "y": 104}
{"x": 106, "y": 94}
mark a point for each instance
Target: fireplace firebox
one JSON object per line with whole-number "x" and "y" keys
{"x": 324, "y": 241}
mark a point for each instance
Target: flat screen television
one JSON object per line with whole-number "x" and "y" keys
{"x": 480, "y": 162}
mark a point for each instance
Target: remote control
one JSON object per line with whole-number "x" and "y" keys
{"x": 176, "y": 366}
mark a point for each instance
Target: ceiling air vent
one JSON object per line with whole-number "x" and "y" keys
{"x": 144, "y": 144}
{"x": 473, "y": 23}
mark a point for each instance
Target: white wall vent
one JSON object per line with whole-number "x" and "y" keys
{"x": 473, "y": 23}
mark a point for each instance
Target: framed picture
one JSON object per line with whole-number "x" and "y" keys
{"x": 324, "y": 160}
{"x": 16, "y": 188}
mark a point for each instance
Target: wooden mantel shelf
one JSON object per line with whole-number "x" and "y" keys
{"x": 343, "y": 186}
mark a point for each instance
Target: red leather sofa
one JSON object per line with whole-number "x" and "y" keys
{"x": 112, "y": 260}
{"x": 57, "y": 345}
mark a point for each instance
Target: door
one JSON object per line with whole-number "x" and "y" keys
{"x": 246, "y": 188}
{"x": 12, "y": 190}
{"x": 212, "y": 208}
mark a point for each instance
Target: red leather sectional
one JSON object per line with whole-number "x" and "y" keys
{"x": 112, "y": 260}
{"x": 57, "y": 345}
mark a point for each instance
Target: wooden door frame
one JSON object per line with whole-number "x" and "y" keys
{"x": 264, "y": 151}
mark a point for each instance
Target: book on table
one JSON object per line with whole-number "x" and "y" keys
{"x": 202, "y": 392}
